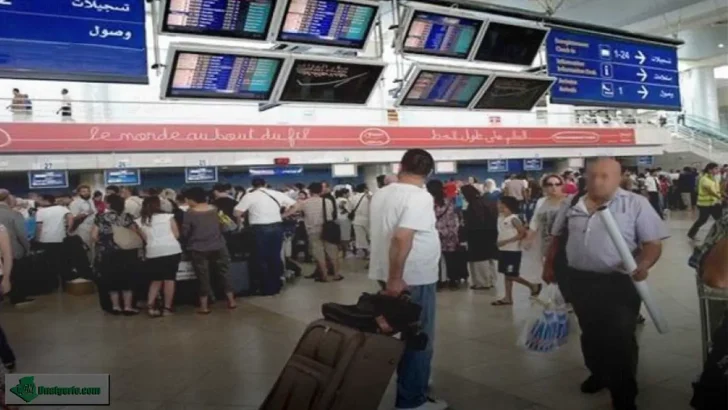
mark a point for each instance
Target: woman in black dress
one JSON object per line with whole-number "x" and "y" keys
{"x": 481, "y": 233}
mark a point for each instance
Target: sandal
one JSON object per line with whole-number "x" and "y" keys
{"x": 232, "y": 307}
{"x": 535, "y": 293}
{"x": 501, "y": 302}
{"x": 167, "y": 312}
{"x": 116, "y": 312}
{"x": 204, "y": 312}
{"x": 130, "y": 312}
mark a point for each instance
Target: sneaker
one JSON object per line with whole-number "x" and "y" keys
{"x": 430, "y": 404}
{"x": 592, "y": 385}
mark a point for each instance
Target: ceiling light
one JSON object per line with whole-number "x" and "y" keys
{"x": 721, "y": 45}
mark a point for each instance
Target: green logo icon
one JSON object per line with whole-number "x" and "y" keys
{"x": 25, "y": 389}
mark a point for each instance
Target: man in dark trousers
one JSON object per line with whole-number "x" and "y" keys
{"x": 602, "y": 293}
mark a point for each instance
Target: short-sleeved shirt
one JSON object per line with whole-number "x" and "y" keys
{"x": 203, "y": 231}
{"x": 264, "y": 206}
{"x": 53, "y": 220}
{"x": 543, "y": 220}
{"x": 405, "y": 206}
{"x": 313, "y": 213}
{"x": 589, "y": 247}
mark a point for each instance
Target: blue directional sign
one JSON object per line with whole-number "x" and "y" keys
{"x": 497, "y": 165}
{"x": 533, "y": 164}
{"x": 595, "y": 69}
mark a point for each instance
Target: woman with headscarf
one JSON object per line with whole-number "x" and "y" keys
{"x": 481, "y": 234}
{"x": 491, "y": 192}
{"x": 448, "y": 226}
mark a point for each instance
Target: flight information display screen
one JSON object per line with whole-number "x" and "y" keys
{"x": 330, "y": 82}
{"x": 513, "y": 93}
{"x": 209, "y": 75}
{"x": 441, "y": 35}
{"x": 327, "y": 23}
{"x": 47, "y": 179}
{"x": 246, "y": 19}
{"x": 439, "y": 89}
{"x": 510, "y": 44}
{"x": 122, "y": 177}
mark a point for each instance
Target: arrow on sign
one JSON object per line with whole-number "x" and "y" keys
{"x": 641, "y": 57}
{"x": 642, "y": 74}
{"x": 643, "y": 92}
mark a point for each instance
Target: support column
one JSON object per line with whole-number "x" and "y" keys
{"x": 700, "y": 95}
{"x": 94, "y": 179}
{"x": 371, "y": 172}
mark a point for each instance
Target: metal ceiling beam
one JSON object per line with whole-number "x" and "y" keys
{"x": 521, "y": 14}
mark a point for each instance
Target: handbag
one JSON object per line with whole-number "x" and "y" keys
{"x": 331, "y": 232}
{"x": 126, "y": 239}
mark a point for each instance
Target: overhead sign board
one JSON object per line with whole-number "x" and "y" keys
{"x": 47, "y": 179}
{"x": 595, "y": 69}
{"x": 645, "y": 161}
{"x": 497, "y": 165}
{"x": 122, "y": 177}
{"x": 73, "y": 40}
{"x": 199, "y": 175}
{"x": 533, "y": 164}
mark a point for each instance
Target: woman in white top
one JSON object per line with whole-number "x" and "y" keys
{"x": 342, "y": 202}
{"x": 163, "y": 253}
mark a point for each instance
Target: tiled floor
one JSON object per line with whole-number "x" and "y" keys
{"x": 229, "y": 360}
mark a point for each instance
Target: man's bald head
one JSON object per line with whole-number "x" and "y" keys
{"x": 603, "y": 178}
{"x": 5, "y": 196}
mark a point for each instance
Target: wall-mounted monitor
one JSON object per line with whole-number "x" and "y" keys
{"x": 497, "y": 165}
{"x": 241, "y": 19}
{"x": 47, "y": 179}
{"x": 329, "y": 80}
{"x": 442, "y": 87}
{"x": 517, "y": 92}
{"x": 200, "y": 175}
{"x": 89, "y": 41}
{"x": 446, "y": 167}
{"x": 328, "y": 23}
{"x": 122, "y": 177}
{"x": 224, "y": 74}
{"x": 507, "y": 43}
{"x": 533, "y": 164}
{"x": 450, "y": 34}
{"x": 344, "y": 170}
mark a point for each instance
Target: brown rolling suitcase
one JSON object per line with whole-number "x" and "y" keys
{"x": 335, "y": 367}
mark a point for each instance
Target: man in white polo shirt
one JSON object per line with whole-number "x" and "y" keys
{"x": 263, "y": 207}
{"x": 52, "y": 225}
{"x": 405, "y": 253}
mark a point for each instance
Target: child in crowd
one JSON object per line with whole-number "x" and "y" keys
{"x": 510, "y": 234}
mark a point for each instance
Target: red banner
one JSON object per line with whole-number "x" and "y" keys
{"x": 30, "y": 137}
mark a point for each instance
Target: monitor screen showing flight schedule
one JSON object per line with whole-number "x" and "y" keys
{"x": 246, "y": 19}
{"x": 327, "y": 23}
{"x": 438, "y": 89}
{"x": 208, "y": 75}
{"x": 441, "y": 35}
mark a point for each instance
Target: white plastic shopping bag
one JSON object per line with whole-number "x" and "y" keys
{"x": 548, "y": 328}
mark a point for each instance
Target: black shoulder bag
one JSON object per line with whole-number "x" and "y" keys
{"x": 282, "y": 210}
{"x": 352, "y": 214}
{"x": 331, "y": 232}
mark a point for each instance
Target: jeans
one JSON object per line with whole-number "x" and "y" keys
{"x": 607, "y": 306}
{"x": 266, "y": 259}
{"x": 705, "y": 212}
{"x": 413, "y": 372}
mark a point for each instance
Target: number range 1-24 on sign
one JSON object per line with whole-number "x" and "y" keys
{"x": 600, "y": 70}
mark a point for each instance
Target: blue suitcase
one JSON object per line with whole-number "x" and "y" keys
{"x": 240, "y": 278}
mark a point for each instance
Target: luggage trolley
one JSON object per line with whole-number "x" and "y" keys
{"x": 706, "y": 294}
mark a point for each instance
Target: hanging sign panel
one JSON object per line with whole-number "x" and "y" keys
{"x": 497, "y": 165}
{"x": 431, "y": 86}
{"x": 533, "y": 164}
{"x": 199, "y": 175}
{"x": 122, "y": 177}
{"x": 73, "y": 40}
{"x": 594, "y": 69}
{"x": 440, "y": 35}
